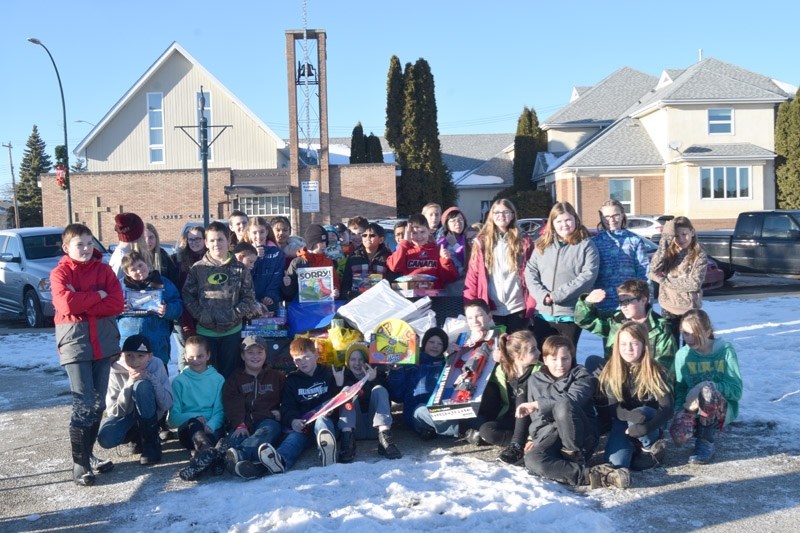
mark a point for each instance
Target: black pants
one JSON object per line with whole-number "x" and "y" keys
{"x": 674, "y": 322}
{"x": 187, "y": 430}
{"x": 501, "y": 431}
{"x": 572, "y": 430}
{"x": 543, "y": 329}
{"x": 513, "y": 322}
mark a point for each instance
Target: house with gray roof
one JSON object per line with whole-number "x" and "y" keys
{"x": 697, "y": 142}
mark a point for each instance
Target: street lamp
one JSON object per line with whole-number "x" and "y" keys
{"x": 64, "y": 115}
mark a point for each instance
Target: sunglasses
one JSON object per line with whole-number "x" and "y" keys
{"x": 368, "y": 235}
{"x": 627, "y": 301}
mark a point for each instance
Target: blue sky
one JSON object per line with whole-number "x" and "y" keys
{"x": 489, "y": 59}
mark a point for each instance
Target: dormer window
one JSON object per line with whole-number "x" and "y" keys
{"x": 720, "y": 121}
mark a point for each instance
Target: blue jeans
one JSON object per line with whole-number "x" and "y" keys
{"x": 267, "y": 431}
{"x": 620, "y": 447}
{"x": 295, "y": 443}
{"x": 365, "y": 424}
{"x": 88, "y": 381}
{"x": 114, "y": 430}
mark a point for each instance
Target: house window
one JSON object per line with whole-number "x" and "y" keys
{"x": 724, "y": 182}
{"x": 155, "y": 122}
{"x": 720, "y": 121}
{"x": 207, "y": 114}
{"x": 621, "y": 190}
{"x": 264, "y": 205}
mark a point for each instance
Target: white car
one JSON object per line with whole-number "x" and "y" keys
{"x": 647, "y": 225}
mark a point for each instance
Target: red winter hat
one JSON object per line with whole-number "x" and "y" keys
{"x": 129, "y": 227}
{"x": 450, "y": 212}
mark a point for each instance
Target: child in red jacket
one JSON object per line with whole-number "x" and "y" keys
{"x": 87, "y": 297}
{"x": 416, "y": 255}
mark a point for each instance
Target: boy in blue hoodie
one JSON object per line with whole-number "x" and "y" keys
{"x": 197, "y": 408}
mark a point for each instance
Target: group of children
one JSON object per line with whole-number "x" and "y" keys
{"x": 236, "y": 413}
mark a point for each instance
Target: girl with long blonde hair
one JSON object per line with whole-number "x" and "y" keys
{"x": 639, "y": 398}
{"x": 496, "y": 265}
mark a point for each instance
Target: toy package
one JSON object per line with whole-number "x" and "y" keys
{"x": 315, "y": 284}
{"x": 139, "y": 303}
{"x": 393, "y": 342}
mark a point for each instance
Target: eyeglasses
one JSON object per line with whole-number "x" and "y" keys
{"x": 627, "y": 301}
{"x": 612, "y": 217}
{"x": 503, "y": 213}
{"x": 369, "y": 235}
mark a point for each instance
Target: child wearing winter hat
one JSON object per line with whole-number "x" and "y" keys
{"x": 132, "y": 238}
{"x": 312, "y": 255}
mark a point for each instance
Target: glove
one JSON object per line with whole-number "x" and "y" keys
{"x": 637, "y": 430}
{"x": 634, "y": 416}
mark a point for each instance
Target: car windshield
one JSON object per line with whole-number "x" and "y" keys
{"x": 48, "y": 245}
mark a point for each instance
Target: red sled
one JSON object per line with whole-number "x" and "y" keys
{"x": 341, "y": 398}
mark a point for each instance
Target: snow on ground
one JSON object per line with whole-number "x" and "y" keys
{"x": 442, "y": 491}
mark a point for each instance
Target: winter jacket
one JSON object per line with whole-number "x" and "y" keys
{"x": 303, "y": 393}
{"x": 681, "y": 280}
{"x": 305, "y": 259}
{"x": 564, "y": 271}
{"x": 250, "y": 400}
{"x": 720, "y": 366}
{"x": 606, "y": 324}
{"x": 268, "y": 275}
{"x": 411, "y": 259}
{"x": 622, "y": 257}
{"x": 194, "y": 395}
{"x": 476, "y": 284}
{"x": 156, "y": 328}
{"x": 119, "y": 398}
{"x": 366, "y": 391}
{"x": 413, "y": 385}
{"x": 623, "y": 408}
{"x": 169, "y": 269}
{"x": 86, "y": 326}
{"x": 220, "y": 296}
{"x": 577, "y": 385}
{"x": 360, "y": 265}
{"x": 187, "y": 321}
{"x": 513, "y": 391}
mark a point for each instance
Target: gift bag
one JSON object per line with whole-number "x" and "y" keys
{"x": 682, "y": 427}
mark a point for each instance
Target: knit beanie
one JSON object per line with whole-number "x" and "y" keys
{"x": 129, "y": 227}
{"x": 314, "y": 235}
{"x": 435, "y": 332}
{"x": 450, "y": 212}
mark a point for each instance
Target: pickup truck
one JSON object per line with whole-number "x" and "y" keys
{"x": 764, "y": 242}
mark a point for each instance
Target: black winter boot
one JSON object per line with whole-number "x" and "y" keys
{"x": 79, "y": 439}
{"x": 387, "y": 447}
{"x": 151, "y": 444}
{"x": 98, "y": 465}
{"x": 347, "y": 452}
{"x": 205, "y": 456}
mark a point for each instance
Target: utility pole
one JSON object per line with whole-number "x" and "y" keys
{"x": 13, "y": 185}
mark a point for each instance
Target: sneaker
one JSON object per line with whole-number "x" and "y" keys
{"x": 427, "y": 433}
{"x": 703, "y": 452}
{"x": 232, "y": 456}
{"x": 326, "y": 444}
{"x": 271, "y": 459}
{"x": 81, "y": 476}
{"x": 473, "y": 436}
{"x": 606, "y": 475}
{"x": 656, "y": 450}
{"x": 387, "y": 447}
{"x": 347, "y": 452}
{"x": 250, "y": 470}
{"x": 101, "y": 465}
{"x": 166, "y": 434}
{"x": 512, "y": 455}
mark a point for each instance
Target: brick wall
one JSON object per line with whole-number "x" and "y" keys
{"x": 165, "y": 199}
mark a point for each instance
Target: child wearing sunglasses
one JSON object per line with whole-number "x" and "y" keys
{"x": 368, "y": 258}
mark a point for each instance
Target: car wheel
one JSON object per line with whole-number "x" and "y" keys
{"x": 33, "y": 310}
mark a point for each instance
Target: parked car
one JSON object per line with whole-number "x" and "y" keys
{"x": 532, "y": 226}
{"x": 764, "y": 242}
{"x": 647, "y": 225}
{"x": 27, "y": 256}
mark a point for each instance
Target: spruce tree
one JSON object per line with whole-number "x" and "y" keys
{"x": 394, "y": 104}
{"x": 78, "y": 166}
{"x": 410, "y": 193}
{"x": 374, "y": 149}
{"x": 35, "y": 162}
{"x": 787, "y": 146}
{"x": 529, "y": 141}
{"x": 358, "y": 145}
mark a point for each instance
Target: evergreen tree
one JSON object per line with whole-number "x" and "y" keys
{"x": 358, "y": 145}
{"x": 787, "y": 146}
{"x": 374, "y": 149}
{"x": 529, "y": 202}
{"x": 410, "y": 192}
{"x": 79, "y": 165}
{"x": 529, "y": 141}
{"x": 35, "y": 162}
{"x": 394, "y": 104}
